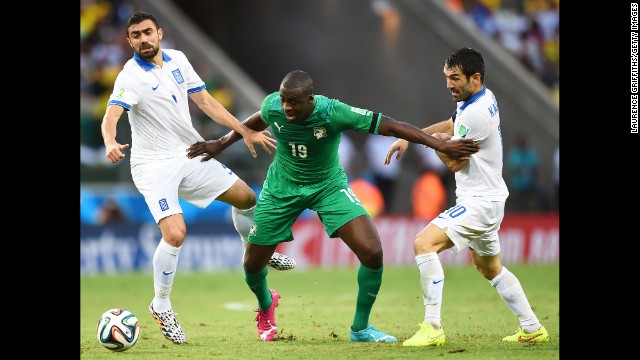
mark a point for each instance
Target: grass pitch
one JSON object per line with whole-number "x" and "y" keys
{"x": 315, "y": 312}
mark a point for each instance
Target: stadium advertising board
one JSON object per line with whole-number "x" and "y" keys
{"x": 524, "y": 239}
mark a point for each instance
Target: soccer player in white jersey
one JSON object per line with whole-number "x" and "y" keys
{"x": 480, "y": 198}
{"x": 155, "y": 87}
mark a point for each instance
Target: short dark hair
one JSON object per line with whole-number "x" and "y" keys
{"x": 298, "y": 81}
{"x": 138, "y": 17}
{"x": 468, "y": 60}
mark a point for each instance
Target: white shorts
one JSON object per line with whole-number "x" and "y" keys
{"x": 473, "y": 223}
{"x": 163, "y": 182}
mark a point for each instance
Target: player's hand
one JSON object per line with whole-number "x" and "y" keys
{"x": 400, "y": 146}
{"x": 208, "y": 148}
{"x": 114, "y": 153}
{"x": 262, "y": 138}
{"x": 460, "y": 149}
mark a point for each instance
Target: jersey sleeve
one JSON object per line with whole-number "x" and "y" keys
{"x": 347, "y": 117}
{"x": 471, "y": 125}
{"x": 125, "y": 92}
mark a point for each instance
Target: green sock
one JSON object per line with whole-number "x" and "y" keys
{"x": 369, "y": 282}
{"x": 258, "y": 284}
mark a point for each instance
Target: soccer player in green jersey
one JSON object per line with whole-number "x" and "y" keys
{"x": 306, "y": 174}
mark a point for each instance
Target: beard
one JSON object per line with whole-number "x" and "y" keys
{"x": 148, "y": 54}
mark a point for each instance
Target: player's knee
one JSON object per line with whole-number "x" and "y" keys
{"x": 487, "y": 272}
{"x": 174, "y": 235}
{"x": 248, "y": 200}
{"x": 422, "y": 245}
{"x": 252, "y": 266}
{"x": 371, "y": 257}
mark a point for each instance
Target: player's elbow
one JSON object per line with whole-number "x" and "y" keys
{"x": 456, "y": 167}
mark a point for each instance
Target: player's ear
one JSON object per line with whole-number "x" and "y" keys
{"x": 160, "y": 32}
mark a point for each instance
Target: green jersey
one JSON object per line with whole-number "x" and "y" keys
{"x": 307, "y": 152}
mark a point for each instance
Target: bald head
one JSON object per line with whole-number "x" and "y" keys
{"x": 297, "y": 82}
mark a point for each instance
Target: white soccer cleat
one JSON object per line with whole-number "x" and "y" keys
{"x": 169, "y": 325}
{"x": 281, "y": 262}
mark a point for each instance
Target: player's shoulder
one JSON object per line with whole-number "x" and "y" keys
{"x": 174, "y": 54}
{"x": 271, "y": 105}
{"x": 271, "y": 101}
{"x": 484, "y": 105}
{"x": 130, "y": 70}
{"x": 323, "y": 104}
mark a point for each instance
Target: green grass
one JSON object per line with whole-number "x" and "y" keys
{"x": 316, "y": 311}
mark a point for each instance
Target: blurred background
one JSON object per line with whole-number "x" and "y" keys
{"x": 382, "y": 55}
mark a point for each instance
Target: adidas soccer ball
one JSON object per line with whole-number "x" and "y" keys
{"x": 118, "y": 329}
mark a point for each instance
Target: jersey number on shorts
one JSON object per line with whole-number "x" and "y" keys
{"x": 351, "y": 195}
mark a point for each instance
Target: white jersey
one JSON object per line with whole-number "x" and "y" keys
{"x": 158, "y": 104}
{"x": 478, "y": 119}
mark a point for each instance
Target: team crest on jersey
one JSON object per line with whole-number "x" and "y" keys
{"x": 463, "y": 130}
{"x": 178, "y": 76}
{"x": 319, "y": 132}
{"x": 254, "y": 229}
{"x": 120, "y": 93}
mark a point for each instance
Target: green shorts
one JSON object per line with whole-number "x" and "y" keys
{"x": 281, "y": 202}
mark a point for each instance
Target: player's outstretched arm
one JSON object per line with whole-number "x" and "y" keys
{"x": 219, "y": 114}
{"x": 401, "y": 145}
{"x": 212, "y": 148}
{"x": 113, "y": 149}
{"x": 459, "y": 149}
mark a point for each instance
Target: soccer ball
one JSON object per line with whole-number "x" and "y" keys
{"x": 118, "y": 329}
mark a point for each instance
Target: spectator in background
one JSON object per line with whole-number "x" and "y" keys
{"x": 110, "y": 213}
{"x": 431, "y": 163}
{"x": 523, "y": 164}
{"x": 384, "y": 177}
{"x": 527, "y": 29}
{"x": 428, "y": 196}
{"x": 429, "y": 191}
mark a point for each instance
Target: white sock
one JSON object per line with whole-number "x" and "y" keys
{"x": 242, "y": 221}
{"x": 513, "y": 295}
{"x": 165, "y": 264}
{"x": 431, "y": 282}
